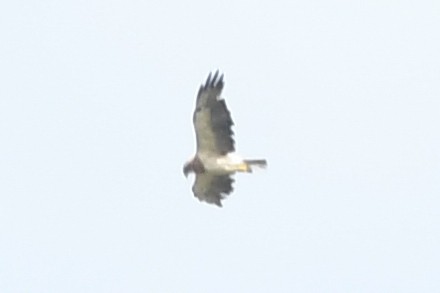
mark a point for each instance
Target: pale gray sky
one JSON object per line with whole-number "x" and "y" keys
{"x": 341, "y": 97}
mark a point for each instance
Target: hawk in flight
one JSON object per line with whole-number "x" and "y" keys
{"x": 215, "y": 160}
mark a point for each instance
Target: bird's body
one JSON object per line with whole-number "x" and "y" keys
{"x": 215, "y": 160}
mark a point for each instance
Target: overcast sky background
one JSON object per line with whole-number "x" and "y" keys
{"x": 341, "y": 97}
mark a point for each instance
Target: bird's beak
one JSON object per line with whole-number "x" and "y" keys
{"x": 185, "y": 171}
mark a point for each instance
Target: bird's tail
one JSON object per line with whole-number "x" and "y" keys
{"x": 261, "y": 163}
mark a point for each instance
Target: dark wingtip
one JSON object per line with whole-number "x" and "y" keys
{"x": 215, "y": 76}
{"x": 208, "y": 80}
{"x": 214, "y": 81}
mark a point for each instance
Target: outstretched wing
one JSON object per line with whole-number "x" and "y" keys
{"x": 212, "y": 188}
{"x": 212, "y": 119}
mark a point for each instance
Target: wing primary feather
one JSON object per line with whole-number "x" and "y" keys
{"x": 220, "y": 80}
{"x": 208, "y": 81}
{"x": 214, "y": 79}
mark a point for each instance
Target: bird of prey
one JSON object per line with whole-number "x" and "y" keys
{"x": 215, "y": 160}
